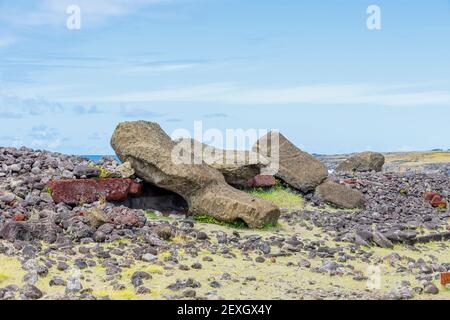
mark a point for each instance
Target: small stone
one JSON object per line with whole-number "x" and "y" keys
{"x": 57, "y": 281}
{"x": 86, "y": 171}
{"x": 142, "y": 290}
{"x": 81, "y": 264}
{"x": 215, "y": 284}
{"x": 189, "y": 294}
{"x": 304, "y": 263}
{"x": 62, "y": 266}
{"x": 196, "y": 265}
{"x": 431, "y": 289}
{"x": 148, "y": 257}
{"x": 201, "y": 235}
{"x": 250, "y": 278}
{"x": 164, "y": 232}
{"x": 138, "y": 277}
{"x": 7, "y": 197}
{"x": 31, "y": 292}
{"x": 73, "y": 285}
{"x": 260, "y": 259}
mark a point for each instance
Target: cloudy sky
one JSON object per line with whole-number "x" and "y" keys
{"x": 311, "y": 69}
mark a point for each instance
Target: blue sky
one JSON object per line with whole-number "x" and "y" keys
{"x": 311, "y": 69}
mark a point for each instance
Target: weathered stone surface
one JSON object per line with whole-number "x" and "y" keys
{"x": 237, "y": 166}
{"x": 90, "y": 190}
{"x": 156, "y": 159}
{"x": 124, "y": 216}
{"x": 262, "y": 181}
{"x": 340, "y": 195}
{"x": 435, "y": 199}
{"x": 85, "y": 171}
{"x": 96, "y": 217}
{"x": 295, "y": 167}
{"x": 438, "y": 202}
{"x": 362, "y": 162}
{"x": 43, "y": 229}
{"x": 7, "y": 197}
{"x": 429, "y": 195}
{"x": 125, "y": 170}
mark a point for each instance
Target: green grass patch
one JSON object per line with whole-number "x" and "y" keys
{"x": 238, "y": 224}
{"x": 3, "y": 277}
{"x": 281, "y": 196}
{"x": 153, "y": 216}
{"x": 48, "y": 190}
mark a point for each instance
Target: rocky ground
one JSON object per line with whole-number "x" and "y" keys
{"x": 54, "y": 251}
{"x": 412, "y": 162}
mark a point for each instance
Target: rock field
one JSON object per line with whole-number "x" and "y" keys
{"x": 394, "y": 247}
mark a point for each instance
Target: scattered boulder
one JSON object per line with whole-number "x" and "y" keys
{"x": 31, "y": 292}
{"x": 382, "y": 241}
{"x": 43, "y": 229}
{"x": 435, "y": 199}
{"x": 156, "y": 159}
{"x": 78, "y": 191}
{"x": 430, "y": 288}
{"x": 362, "y": 162}
{"x": 7, "y": 197}
{"x": 429, "y": 195}
{"x": 96, "y": 217}
{"x": 297, "y": 168}
{"x": 125, "y": 217}
{"x": 339, "y": 195}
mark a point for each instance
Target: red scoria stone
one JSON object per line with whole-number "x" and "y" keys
{"x": 262, "y": 181}
{"x": 350, "y": 181}
{"x": 439, "y": 204}
{"x": 19, "y": 217}
{"x": 429, "y": 195}
{"x": 135, "y": 188}
{"x": 78, "y": 191}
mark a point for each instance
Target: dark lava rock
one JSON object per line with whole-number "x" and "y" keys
{"x": 31, "y": 292}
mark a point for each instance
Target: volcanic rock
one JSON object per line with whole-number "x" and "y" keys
{"x": 43, "y": 229}
{"x": 85, "y": 171}
{"x": 74, "y": 192}
{"x": 339, "y": 195}
{"x": 262, "y": 181}
{"x": 362, "y": 162}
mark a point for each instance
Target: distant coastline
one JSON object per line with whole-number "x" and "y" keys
{"x": 97, "y": 157}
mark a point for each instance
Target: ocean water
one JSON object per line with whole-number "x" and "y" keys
{"x": 96, "y": 157}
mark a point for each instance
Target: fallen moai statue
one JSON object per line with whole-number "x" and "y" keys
{"x": 237, "y": 166}
{"x": 295, "y": 167}
{"x": 304, "y": 172}
{"x": 156, "y": 159}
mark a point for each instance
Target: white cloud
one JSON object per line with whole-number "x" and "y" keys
{"x": 6, "y": 41}
{"x": 45, "y": 137}
{"x": 154, "y": 69}
{"x": 13, "y": 107}
{"x": 53, "y": 12}
{"x": 377, "y": 95}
